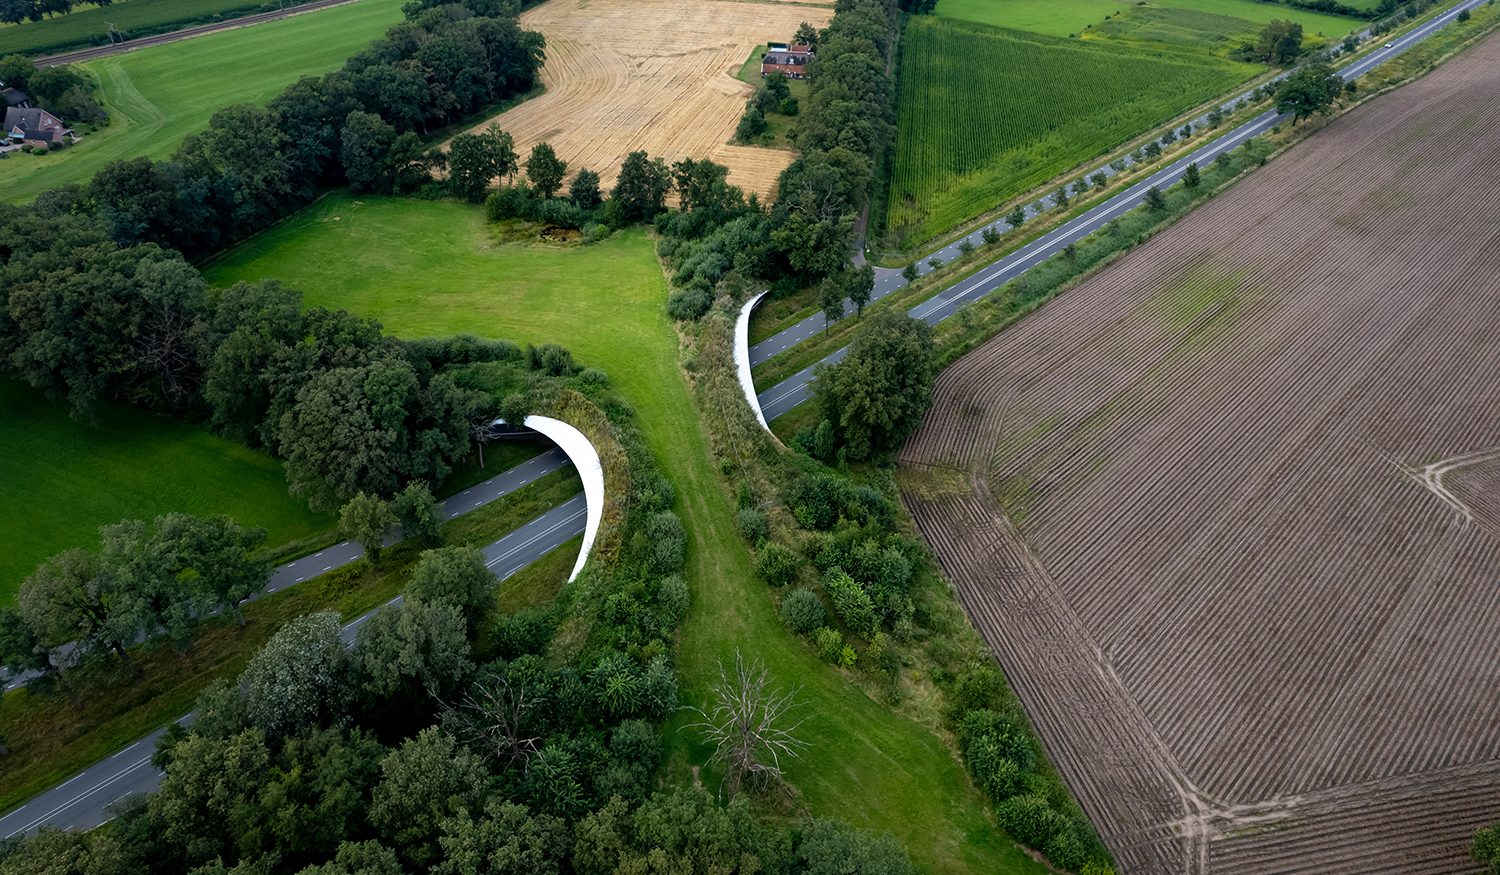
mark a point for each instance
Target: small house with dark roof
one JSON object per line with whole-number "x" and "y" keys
{"x": 35, "y": 127}
{"x": 790, "y": 60}
{"x": 14, "y": 97}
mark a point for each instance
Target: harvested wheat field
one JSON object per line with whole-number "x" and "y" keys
{"x": 1229, "y": 511}
{"x": 658, "y": 75}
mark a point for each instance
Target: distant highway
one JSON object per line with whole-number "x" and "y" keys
{"x": 791, "y": 392}
{"x": 92, "y": 54}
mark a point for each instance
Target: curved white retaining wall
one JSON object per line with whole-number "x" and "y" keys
{"x": 585, "y": 458}
{"x": 742, "y": 357}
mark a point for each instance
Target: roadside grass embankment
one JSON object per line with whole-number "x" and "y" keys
{"x": 157, "y": 96}
{"x": 434, "y": 268}
{"x": 50, "y": 739}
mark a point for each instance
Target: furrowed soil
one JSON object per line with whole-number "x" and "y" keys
{"x": 658, "y": 75}
{"x": 1229, "y": 511}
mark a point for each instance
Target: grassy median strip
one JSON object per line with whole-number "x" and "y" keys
{"x": 50, "y": 739}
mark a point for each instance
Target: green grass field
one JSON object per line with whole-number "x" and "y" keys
{"x": 89, "y": 24}
{"x": 1068, "y": 17}
{"x": 432, "y": 268}
{"x": 986, "y": 114}
{"x": 158, "y": 96}
{"x": 60, "y": 480}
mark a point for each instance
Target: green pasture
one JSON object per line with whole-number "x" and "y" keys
{"x": 987, "y": 114}
{"x": 1072, "y": 17}
{"x": 434, "y": 268}
{"x": 88, "y": 24}
{"x": 60, "y": 480}
{"x": 158, "y": 96}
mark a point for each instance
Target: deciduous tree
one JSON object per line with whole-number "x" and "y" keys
{"x": 366, "y": 518}
{"x": 455, "y": 576}
{"x": 418, "y": 513}
{"x": 749, "y": 724}
{"x": 299, "y": 678}
{"x": 584, "y": 189}
{"x": 1309, "y": 91}
{"x": 545, "y": 170}
{"x": 876, "y": 396}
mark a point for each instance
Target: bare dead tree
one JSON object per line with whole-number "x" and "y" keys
{"x": 744, "y": 725}
{"x": 490, "y": 719}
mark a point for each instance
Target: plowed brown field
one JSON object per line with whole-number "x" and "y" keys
{"x": 1229, "y": 511}
{"x": 659, "y": 75}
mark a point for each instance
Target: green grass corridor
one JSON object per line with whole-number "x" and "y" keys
{"x": 438, "y": 271}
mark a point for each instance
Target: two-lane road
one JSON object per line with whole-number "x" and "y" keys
{"x": 793, "y": 391}
{"x": 82, "y": 802}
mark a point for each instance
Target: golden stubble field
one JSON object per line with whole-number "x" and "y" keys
{"x": 658, "y": 75}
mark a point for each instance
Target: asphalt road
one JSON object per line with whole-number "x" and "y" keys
{"x": 794, "y": 390}
{"x": 345, "y": 552}
{"x": 83, "y": 801}
{"x": 90, "y": 54}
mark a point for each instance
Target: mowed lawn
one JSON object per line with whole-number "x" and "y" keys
{"x": 88, "y": 24}
{"x": 987, "y": 114}
{"x": 1068, "y": 17}
{"x": 432, "y": 268}
{"x": 60, "y": 480}
{"x": 157, "y": 96}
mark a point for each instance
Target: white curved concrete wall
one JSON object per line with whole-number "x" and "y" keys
{"x": 585, "y": 458}
{"x": 742, "y": 357}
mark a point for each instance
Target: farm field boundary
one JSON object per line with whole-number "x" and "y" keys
{"x": 1194, "y": 498}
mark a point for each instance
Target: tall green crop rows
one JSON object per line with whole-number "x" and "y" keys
{"x": 986, "y": 113}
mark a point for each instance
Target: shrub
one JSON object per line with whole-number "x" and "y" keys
{"x": 690, "y": 303}
{"x": 851, "y": 602}
{"x": 668, "y": 540}
{"x": 816, "y": 499}
{"x": 846, "y": 658}
{"x": 1029, "y": 819}
{"x": 511, "y": 202}
{"x": 802, "y": 611}
{"x": 562, "y": 213}
{"x": 789, "y": 106}
{"x": 673, "y": 596}
{"x": 830, "y": 643}
{"x": 776, "y": 565}
{"x": 1006, "y": 735}
{"x": 527, "y": 631}
{"x": 752, "y": 525}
